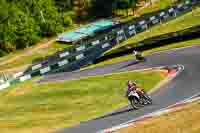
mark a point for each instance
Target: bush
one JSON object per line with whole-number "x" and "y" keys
{"x": 2, "y": 53}
{"x": 24, "y": 22}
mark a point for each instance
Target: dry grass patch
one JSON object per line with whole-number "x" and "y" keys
{"x": 185, "y": 120}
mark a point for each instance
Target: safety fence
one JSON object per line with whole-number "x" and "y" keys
{"x": 73, "y": 58}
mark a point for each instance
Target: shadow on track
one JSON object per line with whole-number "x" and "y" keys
{"x": 130, "y": 64}
{"x": 117, "y": 112}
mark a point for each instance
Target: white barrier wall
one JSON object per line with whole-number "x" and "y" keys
{"x": 131, "y": 27}
{"x": 120, "y": 32}
{"x": 105, "y": 45}
{"x": 16, "y": 75}
{"x": 36, "y": 67}
{"x": 80, "y": 48}
{"x": 45, "y": 70}
{"x": 79, "y": 56}
{"x": 62, "y": 63}
{"x": 142, "y": 22}
{"x": 95, "y": 42}
{"x": 25, "y": 77}
{"x": 64, "y": 54}
{"x": 5, "y": 85}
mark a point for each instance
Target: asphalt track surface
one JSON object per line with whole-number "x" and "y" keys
{"x": 186, "y": 84}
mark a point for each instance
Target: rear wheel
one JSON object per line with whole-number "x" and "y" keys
{"x": 134, "y": 103}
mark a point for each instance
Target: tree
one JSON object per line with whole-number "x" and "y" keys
{"x": 126, "y": 4}
{"x": 22, "y": 22}
{"x": 101, "y": 8}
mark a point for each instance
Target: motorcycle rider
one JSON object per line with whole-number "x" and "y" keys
{"x": 138, "y": 55}
{"x": 132, "y": 86}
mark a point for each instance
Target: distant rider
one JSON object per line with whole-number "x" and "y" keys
{"x": 138, "y": 55}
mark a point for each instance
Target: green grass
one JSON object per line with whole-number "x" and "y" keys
{"x": 188, "y": 20}
{"x": 30, "y": 107}
{"x": 130, "y": 56}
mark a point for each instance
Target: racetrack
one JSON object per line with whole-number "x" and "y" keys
{"x": 186, "y": 84}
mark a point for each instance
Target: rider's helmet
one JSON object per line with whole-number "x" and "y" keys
{"x": 131, "y": 83}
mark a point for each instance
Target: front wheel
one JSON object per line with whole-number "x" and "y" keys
{"x": 148, "y": 98}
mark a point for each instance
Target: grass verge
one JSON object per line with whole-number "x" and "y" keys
{"x": 176, "y": 122}
{"x": 29, "y": 107}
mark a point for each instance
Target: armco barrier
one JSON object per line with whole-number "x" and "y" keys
{"x": 73, "y": 58}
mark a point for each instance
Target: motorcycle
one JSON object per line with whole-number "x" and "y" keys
{"x": 140, "y": 58}
{"x": 145, "y": 98}
{"x": 139, "y": 98}
{"x": 134, "y": 99}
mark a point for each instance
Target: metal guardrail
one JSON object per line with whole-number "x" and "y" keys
{"x": 74, "y": 58}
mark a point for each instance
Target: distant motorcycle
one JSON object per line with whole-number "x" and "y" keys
{"x": 139, "y": 57}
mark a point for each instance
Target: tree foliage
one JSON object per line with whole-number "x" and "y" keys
{"x": 24, "y": 22}
{"x": 103, "y": 8}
